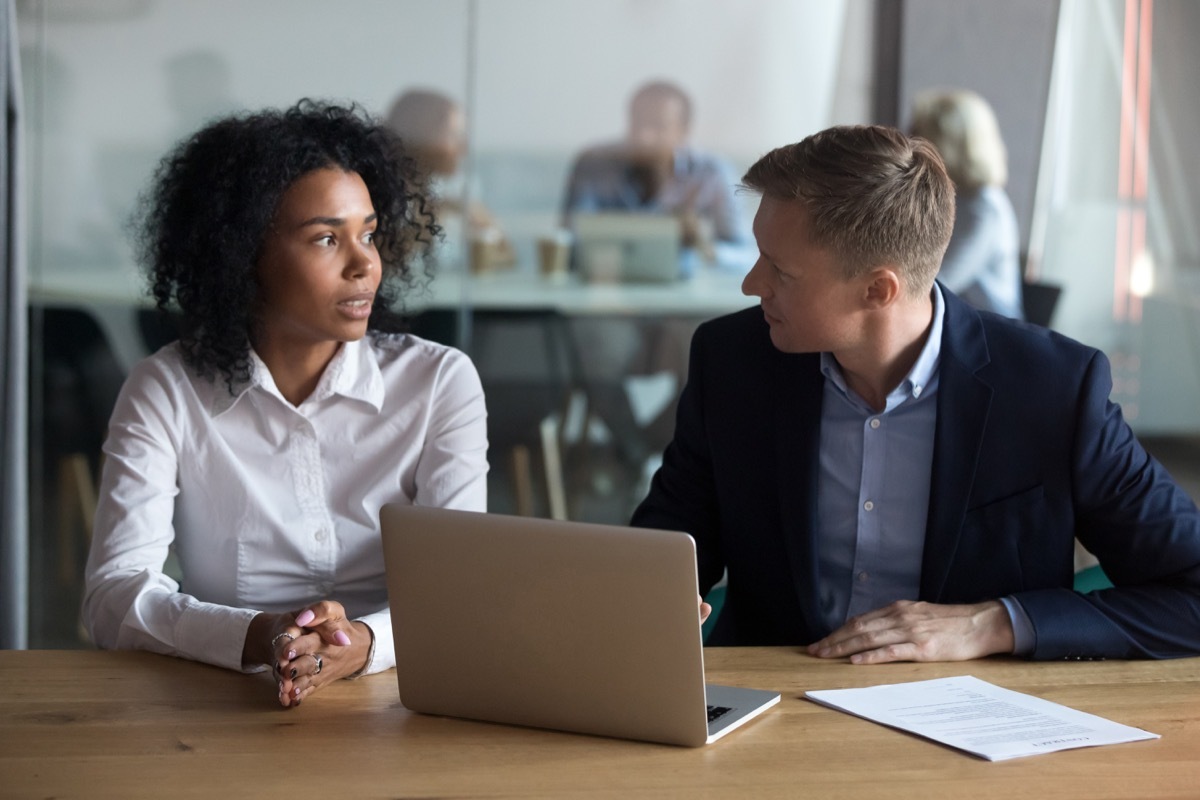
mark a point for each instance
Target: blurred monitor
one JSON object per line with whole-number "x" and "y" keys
{"x": 620, "y": 247}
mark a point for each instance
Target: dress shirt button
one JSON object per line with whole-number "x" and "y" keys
{"x": 916, "y": 391}
{"x": 875, "y": 423}
{"x": 869, "y": 506}
{"x": 863, "y": 577}
{"x": 321, "y": 535}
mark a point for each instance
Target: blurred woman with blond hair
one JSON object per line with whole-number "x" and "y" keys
{"x": 982, "y": 264}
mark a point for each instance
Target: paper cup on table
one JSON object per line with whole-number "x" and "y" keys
{"x": 488, "y": 251}
{"x": 554, "y": 253}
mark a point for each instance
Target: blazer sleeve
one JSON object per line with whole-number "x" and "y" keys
{"x": 1145, "y": 531}
{"x": 683, "y": 495}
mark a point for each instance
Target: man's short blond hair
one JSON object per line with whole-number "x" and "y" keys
{"x": 874, "y": 197}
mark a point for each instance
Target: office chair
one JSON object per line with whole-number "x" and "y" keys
{"x": 80, "y": 378}
{"x": 1038, "y": 301}
{"x": 158, "y": 328}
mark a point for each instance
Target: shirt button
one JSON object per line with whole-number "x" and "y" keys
{"x": 875, "y": 423}
{"x": 321, "y": 535}
{"x": 916, "y": 391}
{"x": 869, "y": 506}
{"x": 862, "y": 577}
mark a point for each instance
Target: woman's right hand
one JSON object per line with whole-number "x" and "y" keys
{"x": 267, "y": 636}
{"x": 269, "y": 640}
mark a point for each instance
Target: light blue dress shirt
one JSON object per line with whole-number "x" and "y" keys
{"x": 873, "y": 490}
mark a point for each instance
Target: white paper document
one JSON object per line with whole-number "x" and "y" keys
{"x": 979, "y": 717}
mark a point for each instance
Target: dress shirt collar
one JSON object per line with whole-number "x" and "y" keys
{"x": 353, "y": 373}
{"x": 923, "y": 369}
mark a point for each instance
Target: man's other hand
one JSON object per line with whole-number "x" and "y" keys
{"x": 915, "y": 631}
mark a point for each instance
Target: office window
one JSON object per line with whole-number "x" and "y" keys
{"x": 1117, "y": 204}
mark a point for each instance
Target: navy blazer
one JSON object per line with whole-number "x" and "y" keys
{"x": 1029, "y": 453}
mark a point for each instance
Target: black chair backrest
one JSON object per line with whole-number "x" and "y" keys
{"x": 1039, "y": 300}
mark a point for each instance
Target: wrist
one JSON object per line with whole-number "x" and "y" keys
{"x": 370, "y": 655}
{"x": 1002, "y": 638}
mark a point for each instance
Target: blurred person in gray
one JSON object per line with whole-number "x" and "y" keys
{"x": 654, "y": 169}
{"x": 982, "y": 264}
{"x": 433, "y": 127}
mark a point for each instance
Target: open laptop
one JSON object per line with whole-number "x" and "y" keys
{"x": 563, "y": 625}
{"x": 623, "y": 247}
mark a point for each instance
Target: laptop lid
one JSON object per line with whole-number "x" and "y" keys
{"x": 564, "y": 625}
{"x": 624, "y": 247}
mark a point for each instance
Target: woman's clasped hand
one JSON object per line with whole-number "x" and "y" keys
{"x": 310, "y": 648}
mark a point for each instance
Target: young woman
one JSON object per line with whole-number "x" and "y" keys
{"x": 263, "y": 442}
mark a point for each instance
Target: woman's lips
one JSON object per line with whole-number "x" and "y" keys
{"x": 356, "y": 307}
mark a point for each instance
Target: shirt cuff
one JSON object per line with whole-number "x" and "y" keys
{"x": 215, "y": 634}
{"x": 383, "y": 654}
{"x": 1024, "y": 638}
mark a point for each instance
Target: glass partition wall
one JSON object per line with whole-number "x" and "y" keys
{"x": 581, "y": 358}
{"x": 560, "y": 272}
{"x": 1115, "y": 223}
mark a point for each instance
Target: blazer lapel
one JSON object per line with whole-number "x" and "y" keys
{"x": 799, "y": 384}
{"x": 962, "y": 410}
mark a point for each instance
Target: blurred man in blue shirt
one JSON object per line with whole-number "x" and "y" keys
{"x": 655, "y": 170}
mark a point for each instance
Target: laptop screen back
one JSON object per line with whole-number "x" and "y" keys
{"x": 571, "y": 626}
{"x": 621, "y": 247}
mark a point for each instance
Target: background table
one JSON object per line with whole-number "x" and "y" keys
{"x": 114, "y": 297}
{"x": 93, "y": 724}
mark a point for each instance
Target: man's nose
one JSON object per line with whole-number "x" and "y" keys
{"x": 752, "y": 284}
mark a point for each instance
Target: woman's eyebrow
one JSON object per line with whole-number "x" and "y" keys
{"x": 333, "y": 222}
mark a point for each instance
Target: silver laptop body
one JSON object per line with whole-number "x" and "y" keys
{"x": 563, "y": 625}
{"x": 626, "y": 247}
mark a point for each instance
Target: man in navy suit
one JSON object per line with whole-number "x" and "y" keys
{"x": 887, "y": 474}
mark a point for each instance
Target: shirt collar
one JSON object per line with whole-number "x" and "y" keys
{"x": 353, "y": 373}
{"x": 923, "y": 371}
{"x": 925, "y": 368}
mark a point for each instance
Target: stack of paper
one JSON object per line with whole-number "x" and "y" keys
{"x": 979, "y": 717}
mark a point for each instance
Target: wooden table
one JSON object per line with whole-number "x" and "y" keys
{"x": 93, "y": 724}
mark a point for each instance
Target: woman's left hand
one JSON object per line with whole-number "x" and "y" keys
{"x": 329, "y": 648}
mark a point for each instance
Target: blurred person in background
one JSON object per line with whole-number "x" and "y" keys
{"x": 655, "y": 170}
{"x": 433, "y": 128}
{"x": 652, "y": 170}
{"x": 982, "y": 263}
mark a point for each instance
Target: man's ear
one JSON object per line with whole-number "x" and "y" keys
{"x": 883, "y": 287}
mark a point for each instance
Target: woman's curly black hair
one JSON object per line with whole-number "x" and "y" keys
{"x": 201, "y": 224}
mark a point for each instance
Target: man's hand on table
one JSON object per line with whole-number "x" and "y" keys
{"x": 917, "y": 631}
